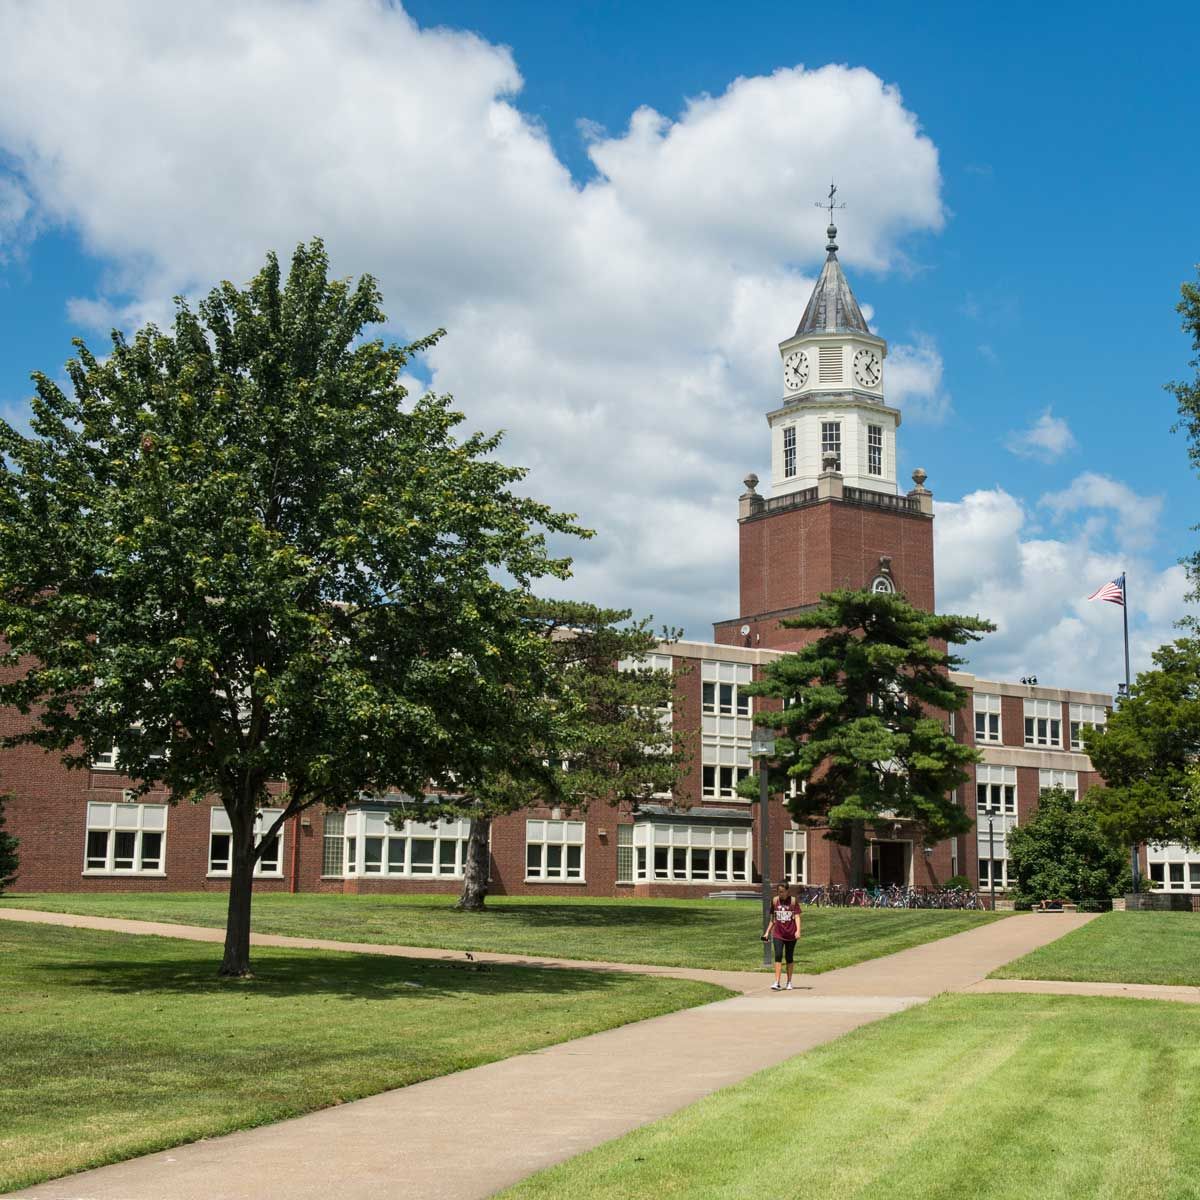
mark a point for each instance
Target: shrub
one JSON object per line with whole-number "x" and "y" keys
{"x": 961, "y": 882}
{"x": 8, "y": 853}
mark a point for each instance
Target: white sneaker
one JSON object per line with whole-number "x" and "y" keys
{"x": 789, "y": 986}
{"x": 776, "y": 988}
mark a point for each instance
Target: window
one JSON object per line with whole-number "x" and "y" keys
{"x": 1081, "y": 715}
{"x": 725, "y": 723}
{"x": 720, "y": 783}
{"x": 1043, "y": 723}
{"x": 686, "y": 853}
{"x": 995, "y": 787}
{"x": 987, "y": 717}
{"x": 416, "y": 850}
{"x": 106, "y": 761}
{"x": 789, "y": 451}
{"x": 125, "y": 839}
{"x": 624, "y": 853}
{"x": 882, "y": 583}
{"x": 1067, "y": 780}
{"x": 874, "y": 449}
{"x": 829, "y": 364}
{"x": 333, "y": 855}
{"x": 1175, "y": 867}
{"x": 554, "y": 850}
{"x": 831, "y": 442}
{"x": 1000, "y": 868}
{"x": 795, "y": 846}
{"x": 220, "y": 843}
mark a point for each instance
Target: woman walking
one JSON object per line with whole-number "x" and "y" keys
{"x": 784, "y": 931}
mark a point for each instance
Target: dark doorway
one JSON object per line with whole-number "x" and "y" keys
{"x": 891, "y": 866}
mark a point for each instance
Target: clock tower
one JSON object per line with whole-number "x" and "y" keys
{"x": 833, "y": 516}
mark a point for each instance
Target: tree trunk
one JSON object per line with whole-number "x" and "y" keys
{"x": 858, "y": 853}
{"x": 476, "y": 867}
{"x": 236, "y": 962}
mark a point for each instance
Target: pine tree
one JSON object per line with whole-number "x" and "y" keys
{"x": 863, "y": 725}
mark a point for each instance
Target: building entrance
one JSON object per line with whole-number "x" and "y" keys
{"x": 889, "y": 863}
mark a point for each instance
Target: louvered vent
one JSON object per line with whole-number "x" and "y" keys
{"x": 829, "y": 364}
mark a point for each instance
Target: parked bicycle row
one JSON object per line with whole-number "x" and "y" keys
{"x": 895, "y": 896}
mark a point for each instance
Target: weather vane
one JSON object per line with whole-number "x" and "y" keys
{"x": 830, "y": 201}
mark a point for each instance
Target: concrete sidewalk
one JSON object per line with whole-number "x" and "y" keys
{"x": 1067, "y": 987}
{"x": 533, "y": 1110}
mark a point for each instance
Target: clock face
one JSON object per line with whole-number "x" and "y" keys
{"x": 795, "y": 370}
{"x": 868, "y": 370}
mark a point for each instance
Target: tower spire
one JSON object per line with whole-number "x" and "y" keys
{"x": 830, "y": 202}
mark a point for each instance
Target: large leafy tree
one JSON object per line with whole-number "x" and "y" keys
{"x": 613, "y": 742}
{"x": 1148, "y": 754}
{"x": 862, "y": 724}
{"x": 1187, "y": 396}
{"x": 242, "y": 543}
{"x": 8, "y": 853}
{"x": 1061, "y": 854}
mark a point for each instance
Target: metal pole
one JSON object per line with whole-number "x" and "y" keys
{"x": 992, "y": 856}
{"x": 1133, "y": 850}
{"x": 764, "y": 852}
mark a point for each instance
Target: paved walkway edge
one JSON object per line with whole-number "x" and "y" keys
{"x": 1070, "y": 987}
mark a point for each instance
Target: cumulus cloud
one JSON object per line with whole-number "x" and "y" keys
{"x": 622, "y": 329}
{"x": 1047, "y": 439}
{"x": 994, "y": 559}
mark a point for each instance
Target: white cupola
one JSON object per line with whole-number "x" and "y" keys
{"x": 833, "y": 395}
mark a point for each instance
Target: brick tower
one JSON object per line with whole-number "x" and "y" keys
{"x": 834, "y": 516}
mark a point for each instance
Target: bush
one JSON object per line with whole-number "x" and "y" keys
{"x": 8, "y": 853}
{"x": 1061, "y": 854}
{"x": 961, "y": 882}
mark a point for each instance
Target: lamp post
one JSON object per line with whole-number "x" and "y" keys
{"x": 992, "y": 812}
{"x": 762, "y": 747}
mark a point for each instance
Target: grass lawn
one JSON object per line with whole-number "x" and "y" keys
{"x": 1119, "y": 947}
{"x": 720, "y": 934}
{"x": 114, "y": 1045}
{"x": 989, "y": 1097}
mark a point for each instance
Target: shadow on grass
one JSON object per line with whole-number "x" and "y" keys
{"x": 626, "y": 915}
{"x": 282, "y": 974}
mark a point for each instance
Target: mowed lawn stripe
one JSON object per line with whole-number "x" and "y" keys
{"x": 115, "y": 1045}
{"x": 1119, "y": 947}
{"x": 997, "y": 1097}
{"x": 714, "y": 934}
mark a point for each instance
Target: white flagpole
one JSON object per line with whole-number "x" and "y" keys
{"x": 1133, "y": 852}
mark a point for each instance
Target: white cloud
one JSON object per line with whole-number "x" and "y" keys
{"x": 914, "y": 381}
{"x": 1047, "y": 439}
{"x": 623, "y": 332}
{"x": 992, "y": 560}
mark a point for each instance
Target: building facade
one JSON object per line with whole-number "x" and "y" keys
{"x": 833, "y": 516}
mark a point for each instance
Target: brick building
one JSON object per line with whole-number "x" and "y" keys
{"x": 834, "y": 517}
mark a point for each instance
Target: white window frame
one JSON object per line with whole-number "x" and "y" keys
{"x": 1095, "y": 715}
{"x": 125, "y": 818}
{"x": 831, "y": 441}
{"x": 1003, "y": 881}
{"x": 1000, "y": 784}
{"x": 219, "y": 826}
{"x": 795, "y": 855}
{"x": 1043, "y": 723}
{"x": 789, "y": 451}
{"x": 1067, "y": 780}
{"x": 988, "y": 706}
{"x": 333, "y": 830}
{"x": 544, "y": 836}
{"x": 875, "y": 450}
{"x": 679, "y": 847}
{"x": 395, "y": 849}
{"x": 726, "y": 725}
{"x": 1162, "y": 859}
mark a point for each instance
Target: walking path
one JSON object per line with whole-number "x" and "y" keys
{"x": 467, "y": 1135}
{"x": 1067, "y": 987}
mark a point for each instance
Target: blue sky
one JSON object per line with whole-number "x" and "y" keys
{"x": 1031, "y": 271}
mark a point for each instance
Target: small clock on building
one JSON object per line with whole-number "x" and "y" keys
{"x": 795, "y": 370}
{"x": 868, "y": 370}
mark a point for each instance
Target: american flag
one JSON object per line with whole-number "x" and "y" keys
{"x": 1113, "y": 592}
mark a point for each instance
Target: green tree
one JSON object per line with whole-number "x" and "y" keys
{"x": 1061, "y": 854}
{"x": 860, "y": 725}
{"x": 8, "y": 853}
{"x": 1187, "y": 397}
{"x": 612, "y": 743}
{"x": 242, "y": 554}
{"x": 1147, "y": 754}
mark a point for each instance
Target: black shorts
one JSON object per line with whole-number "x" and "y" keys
{"x": 784, "y": 950}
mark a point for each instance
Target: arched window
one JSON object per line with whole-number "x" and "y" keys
{"x": 881, "y": 583}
